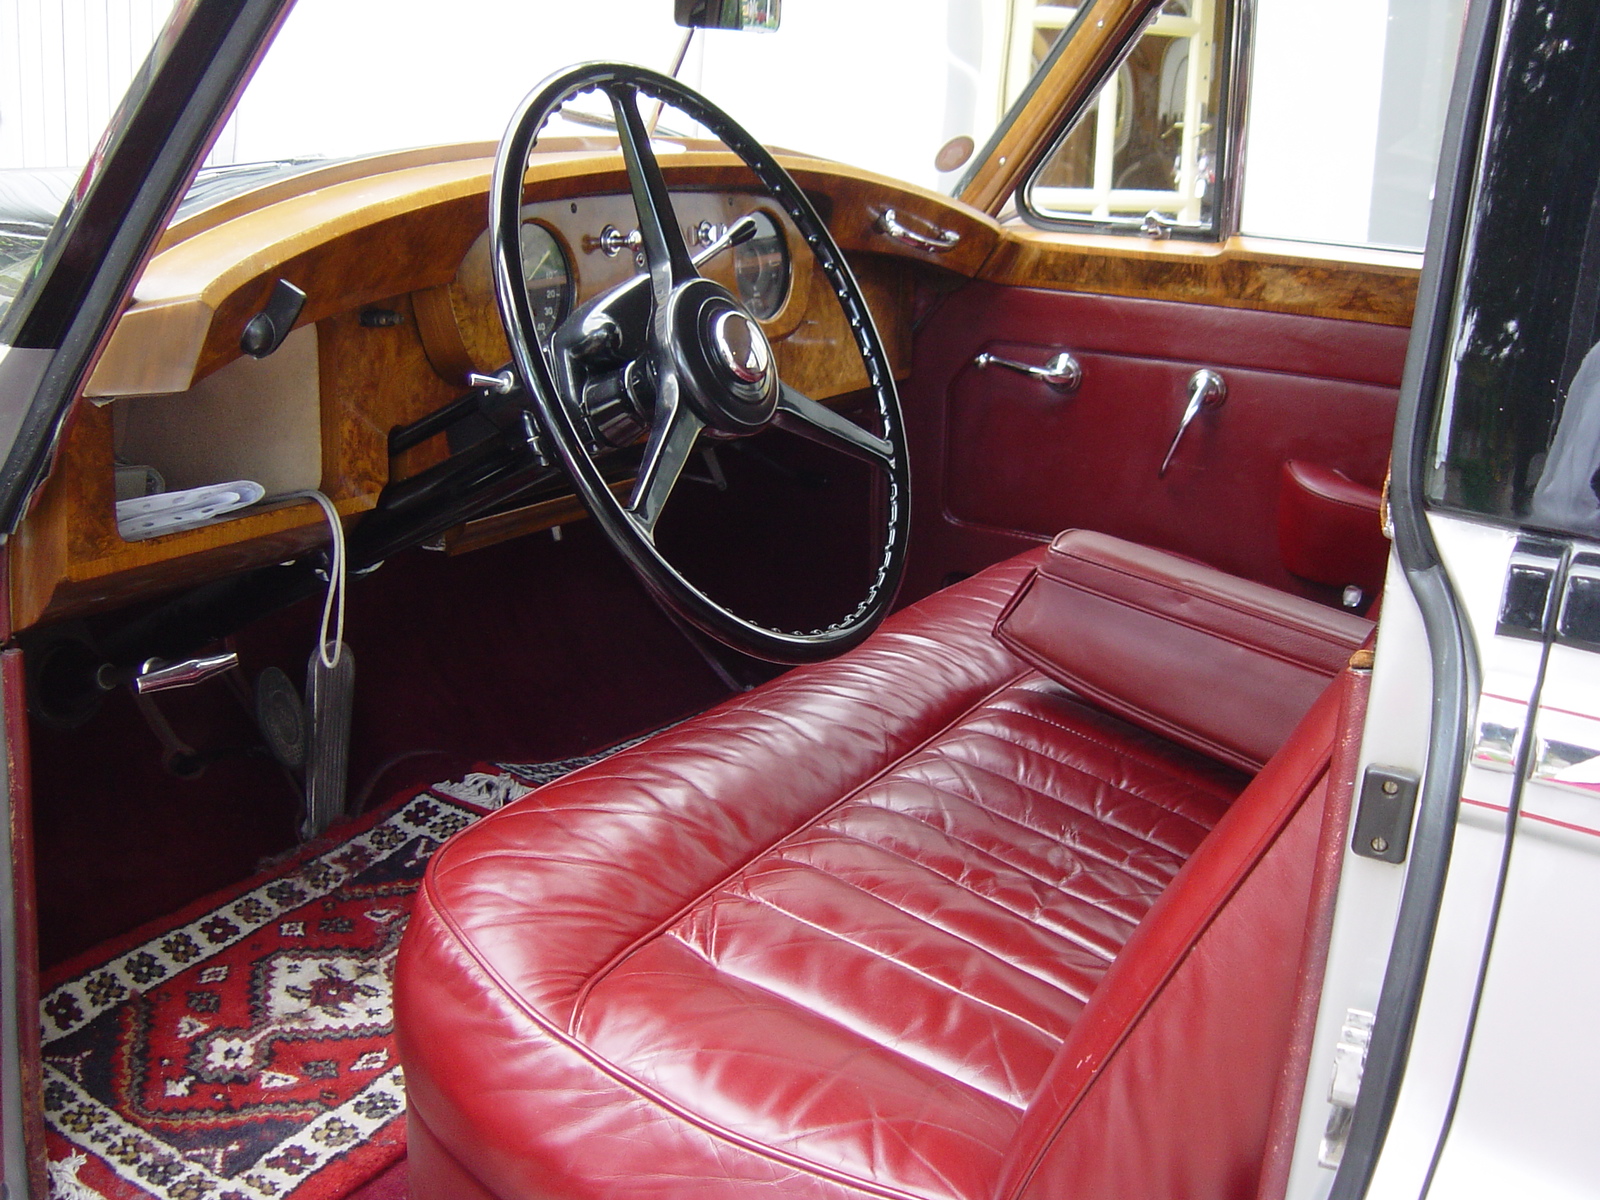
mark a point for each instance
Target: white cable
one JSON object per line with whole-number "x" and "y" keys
{"x": 336, "y": 578}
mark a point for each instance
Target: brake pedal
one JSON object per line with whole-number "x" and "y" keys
{"x": 281, "y": 717}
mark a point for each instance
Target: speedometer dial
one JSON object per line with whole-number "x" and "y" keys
{"x": 548, "y": 277}
{"x": 761, "y": 268}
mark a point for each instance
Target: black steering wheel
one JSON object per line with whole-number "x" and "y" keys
{"x": 671, "y": 356}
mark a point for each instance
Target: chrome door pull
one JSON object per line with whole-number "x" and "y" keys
{"x": 936, "y": 240}
{"x": 1207, "y": 389}
{"x": 1062, "y": 372}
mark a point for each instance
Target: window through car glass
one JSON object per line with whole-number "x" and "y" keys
{"x": 1149, "y": 142}
{"x": 1518, "y": 432}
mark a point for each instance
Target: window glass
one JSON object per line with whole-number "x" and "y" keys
{"x": 1518, "y": 437}
{"x": 866, "y": 82}
{"x": 1347, "y": 107}
{"x": 862, "y": 81}
{"x": 1149, "y": 141}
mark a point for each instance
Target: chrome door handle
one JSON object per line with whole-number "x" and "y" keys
{"x": 1062, "y": 372}
{"x": 936, "y": 240}
{"x": 1207, "y": 389}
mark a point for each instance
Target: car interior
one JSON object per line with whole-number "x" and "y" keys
{"x": 1021, "y": 893}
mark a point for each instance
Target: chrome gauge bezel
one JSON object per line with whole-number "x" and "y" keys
{"x": 766, "y": 304}
{"x": 568, "y": 281}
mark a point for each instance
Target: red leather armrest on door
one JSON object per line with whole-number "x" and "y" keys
{"x": 1329, "y": 529}
{"x": 1217, "y": 663}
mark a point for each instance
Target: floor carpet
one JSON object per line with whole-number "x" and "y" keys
{"x": 242, "y": 1049}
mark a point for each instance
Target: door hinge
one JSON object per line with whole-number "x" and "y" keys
{"x": 1349, "y": 1060}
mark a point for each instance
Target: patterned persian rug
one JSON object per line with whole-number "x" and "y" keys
{"x": 244, "y": 1050}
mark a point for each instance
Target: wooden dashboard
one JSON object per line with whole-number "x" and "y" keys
{"x": 392, "y": 255}
{"x": 393, "y": 258}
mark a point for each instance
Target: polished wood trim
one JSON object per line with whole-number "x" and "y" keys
{"x": 195, "y": 298}
{"x": 403, "y": 241}
{"x": 338, "y": 171}
{"x": 518, "y": 522}
{"x": 1056, "y": 98}
{"x": 67, "y": 558}
{"x": 439, "y": 329}
{"x": 1360, "y": 284}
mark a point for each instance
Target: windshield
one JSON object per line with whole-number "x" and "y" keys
{"x": 866, "y": 82}
{"x": 341, "y": 79}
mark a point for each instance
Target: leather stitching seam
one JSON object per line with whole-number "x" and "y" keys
{"x": 633, "y": 1084}
{"x": 1095, "y": 817}
{"x": 1147, "y": 792}
{"x": 1217, "y": 789}
{"x": 667, "y": 923}
{"x": 976, "y": 895}
{"x": 1273, "y": 619}
{"x": 1153, "y": 801}
{"x": 754, "y": 898}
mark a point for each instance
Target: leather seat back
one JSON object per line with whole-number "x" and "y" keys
{"x": 1165, "y": 1087}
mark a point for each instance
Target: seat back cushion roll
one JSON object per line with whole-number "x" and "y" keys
{"x": 1219, "y": 664}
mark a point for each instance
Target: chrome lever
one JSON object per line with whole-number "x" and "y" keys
{"x": 936, "y": 240}
{"x": 713, "y": 244}
{"x": 501, "y": 383}
{"x": 1207, "y": 389}
{"x": 1062, "y": 372}
{"x": 158, "y": 676}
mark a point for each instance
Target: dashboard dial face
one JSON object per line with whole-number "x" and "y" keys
{"x": 761, "y": 268}
{"x": 547, "y": 276}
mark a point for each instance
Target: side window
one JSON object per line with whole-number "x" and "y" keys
{"x": 1146, "y": 151}
{"x": 1346, "y": 107}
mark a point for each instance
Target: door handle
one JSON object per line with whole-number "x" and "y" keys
{"x": 1062, "y": 372}
{"x": 1207, "y": 389}
{"x": 935, "y": 241}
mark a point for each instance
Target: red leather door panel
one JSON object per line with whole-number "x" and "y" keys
{"x": 1002, "y": 460}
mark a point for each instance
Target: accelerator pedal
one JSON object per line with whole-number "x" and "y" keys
{"x": 330, "y": 695}
{"x": 330, "y": 690}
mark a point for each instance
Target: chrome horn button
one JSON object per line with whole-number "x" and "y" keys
{"x": 725, "y": 364}
{"x": 740, "y": 346}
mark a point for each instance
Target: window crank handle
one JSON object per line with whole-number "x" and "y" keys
{"x": 1207, "y": 389}
{"x": 1062, "y": 372}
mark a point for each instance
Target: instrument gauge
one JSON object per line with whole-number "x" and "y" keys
{"x": 761, "y": 268}
{"x": 547, "y": 276}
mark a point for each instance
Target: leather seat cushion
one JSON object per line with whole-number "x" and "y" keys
{"x": 829, "y": 935}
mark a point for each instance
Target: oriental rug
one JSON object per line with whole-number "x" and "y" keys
{"x": 243, "y": 1049}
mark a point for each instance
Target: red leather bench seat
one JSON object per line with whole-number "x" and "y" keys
{"x": 825, "y": 940}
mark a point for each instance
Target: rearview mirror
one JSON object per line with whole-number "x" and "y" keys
{"x": 728, "y": 14}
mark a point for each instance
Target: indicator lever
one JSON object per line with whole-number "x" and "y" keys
{"x": 266, "y": 330}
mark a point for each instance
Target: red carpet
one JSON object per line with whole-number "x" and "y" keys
{"x": 242, "y": 1050}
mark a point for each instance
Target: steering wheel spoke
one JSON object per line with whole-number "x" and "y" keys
{"x": 802, "y": 415}
{"x": 671, "y": 442}
{"x": 672, "y": 354}
{"x": 664, "y": 248}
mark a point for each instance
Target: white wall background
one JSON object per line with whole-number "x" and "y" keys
{"x": 1347, "y": 108}
{"x": 64, "y": 65}
{"x": 1314, "y": 118}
